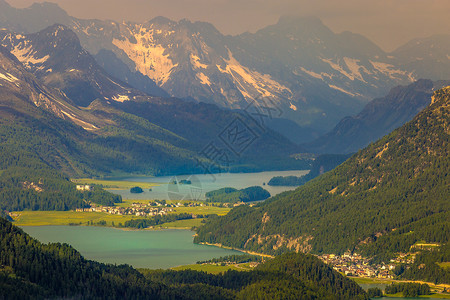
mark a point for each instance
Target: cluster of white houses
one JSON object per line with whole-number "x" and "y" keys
{"x": 135, "y": 210}
{"x": 83, "y": 187}
{"x": 356, "y": 265}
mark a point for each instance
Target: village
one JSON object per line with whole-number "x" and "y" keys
{"x": 150, "y": 209}
{"x": 358, "y": 266}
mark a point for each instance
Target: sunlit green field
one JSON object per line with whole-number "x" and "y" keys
{"x": 361, "y": 280}
{"x": 213, "y": 268}
{"x": 115, "y": 184}
{"x": 183, "y": 224}
{"x": 41, "y": 218}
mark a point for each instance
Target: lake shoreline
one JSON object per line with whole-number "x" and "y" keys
{"x": 236, "y": 249}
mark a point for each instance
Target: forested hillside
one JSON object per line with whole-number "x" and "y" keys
{"x": 31, "y": 270}
{"x": 382, "y": 200}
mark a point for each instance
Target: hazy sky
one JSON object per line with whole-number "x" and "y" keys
{"x": 388, "y": 23}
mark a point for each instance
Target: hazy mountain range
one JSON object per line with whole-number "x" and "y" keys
{"x": 124, "y": 128}
{"x": 378, "y": 118}
{"x": 314, "y": 76}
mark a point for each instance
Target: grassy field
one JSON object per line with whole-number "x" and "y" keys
{"x": 115, "y": 184}
{"x": 203, "y": 210}
{"x": 360, "y": 280}
{"x": 183, "y": 224}
{"x": 439, "y": 296}
{"x": 213, "y": 268}
{"x": 41, "y": 218}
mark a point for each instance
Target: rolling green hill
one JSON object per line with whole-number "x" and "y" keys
{"x": 382, "y": 200}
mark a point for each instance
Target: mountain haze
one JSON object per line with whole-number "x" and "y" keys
{"x": 378, "y": 118}
{"x": 313, "y": 75}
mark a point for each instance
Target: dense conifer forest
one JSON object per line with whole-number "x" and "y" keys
{"x": 32, "y": 270}
{"x": 382, "y": 200}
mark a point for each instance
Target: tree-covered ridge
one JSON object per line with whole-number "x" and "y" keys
{"x": 323, "y": 163}
{"x": 380, "y": 201}
{"x": 31, "y": 270}
{"x": 288, "y": 276}
{"x": 427, "y": 266}
{"x": 232, "y": 195}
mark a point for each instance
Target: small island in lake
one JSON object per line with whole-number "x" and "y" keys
{"x": 232, "y": 195}
{"x": 136, "y": 190}
{"x": 286, "y": 181}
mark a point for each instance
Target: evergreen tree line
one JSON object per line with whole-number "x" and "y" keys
{"x": 426, "y": 266}
{"x": 408, "y": 289}
{"x": 237, "y": 259}
{"x": 159, "y": 219}
{"x": 232, "y": 195}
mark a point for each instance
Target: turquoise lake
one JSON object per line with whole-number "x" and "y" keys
{"x": 140, "y": 248}
{"x": 153, "y": 248}
{"x": 202, "y": 183}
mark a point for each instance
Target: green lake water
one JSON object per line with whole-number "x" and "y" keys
{"x": 141, "y": 248}
{"x": 202, "y": 183}
{"x": 149, "y": 248}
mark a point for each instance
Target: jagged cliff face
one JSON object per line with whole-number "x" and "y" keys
{"x": 19, "y": 89}
{"x": 311, "y": 74}
{"x": 299, "y": 65}
{"x": 56, "y": 57}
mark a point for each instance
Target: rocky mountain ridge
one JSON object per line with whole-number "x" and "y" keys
{"x": 314, "y": 75}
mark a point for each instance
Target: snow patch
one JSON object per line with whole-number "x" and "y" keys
{"x": 8, "y": 77}
{"x": 195, "y": 61}
{"x": 252, "y": 84}
{"x": 203, "y": 79}
{"x": 390, "y": 71}
{"x": 26, "y": 55}
{"x": 354, "y": 69}
{"x": 85, "y": 125}
{"x": 121, "y": 98}
{"x": 311, "y": 73}
{"x": 293, "y": 107}
{"x": 341, "y": 90}
{"x": 148, "y": 56}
